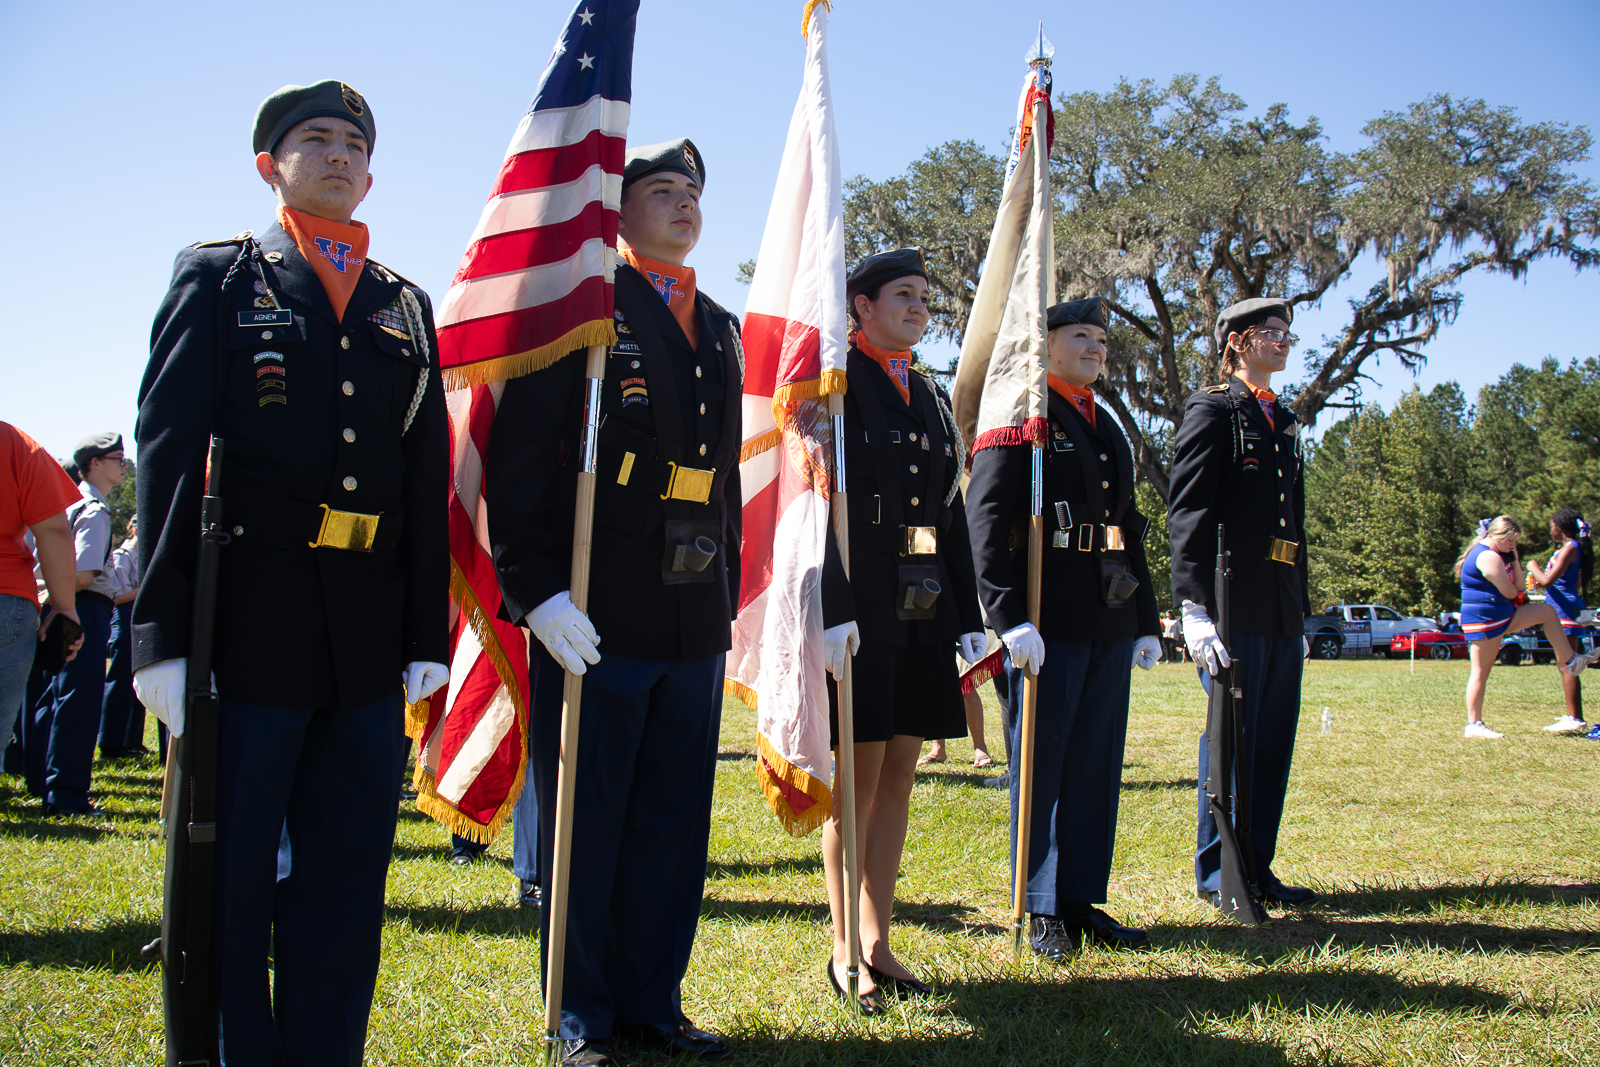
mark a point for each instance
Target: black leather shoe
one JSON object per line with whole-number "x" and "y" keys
{"x": 999, "y": 781}
{"x": 462, "y": 856}
{"x": 1288, "y": 895}
{"x": 899, "y": 987}
{"x": 530, "y": 896}
{"x": 679, "y": 1038}
{"x": 1051, "y": 938}
{"x": 1094, "y": 926}
{"x": 869, "y": 1003}
{"x": 586, "y": 1052}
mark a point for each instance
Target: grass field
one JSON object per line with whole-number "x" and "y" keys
{"x": 1459, "y": 922}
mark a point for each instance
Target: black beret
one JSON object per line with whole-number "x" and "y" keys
{"x": 884, "y": 267}
{"x": 1092, "y": 311}
{"x": 94, "y": 446}
{"x": 1237, "y": 318}
{"x": 293, "y": 104}
{"x": 680, "y": 157}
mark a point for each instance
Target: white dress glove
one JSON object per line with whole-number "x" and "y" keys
{"x": 423, "y": 678}
{"x": 163, "y": 688}
{"x": 1146, "y": 652}
{"x": 1200, "y": 634}
{"x": 1307, "y": 653}
{"x": 972, "y": 646}
{"x": 1026, "y": 646}
{"x": 837, "y": 643}
{"x": 566, "y": 632}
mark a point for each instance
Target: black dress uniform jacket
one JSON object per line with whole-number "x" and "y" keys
{"x": 663, "y": 401}
{"x": 1234, "y": 468}
{"x": 1071, "y": 601}
{"x": 901, "y": 463}
{"x": 296, "y": 625}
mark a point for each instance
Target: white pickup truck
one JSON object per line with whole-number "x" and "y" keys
{"x": 1370, "y": 627}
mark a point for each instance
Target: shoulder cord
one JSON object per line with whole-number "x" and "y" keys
{"x": 249, "y": 251}
{"x": 949, "y": 421}
{"x": 419, "y": 334}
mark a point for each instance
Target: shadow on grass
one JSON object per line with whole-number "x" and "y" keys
{"x": 1187, "y": 784}
{"x": 939, "y": 917}
{"x": 741, "y": 869}
{"x": 495, "y": 920}
{"x": 734, "y": 755}
{"x": 114, "y": 947}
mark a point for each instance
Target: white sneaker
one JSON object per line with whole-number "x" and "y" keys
{"x": 1481, "y": 729}
{"x": 1568, "y": 725}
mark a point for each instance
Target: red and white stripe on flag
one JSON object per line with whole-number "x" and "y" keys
{"x": 795, "y": 344}
{"x": 999, "y": 395}
{"x": 535, "y": 284}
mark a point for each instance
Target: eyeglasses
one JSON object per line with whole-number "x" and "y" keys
{"x": 1277, "y": 337}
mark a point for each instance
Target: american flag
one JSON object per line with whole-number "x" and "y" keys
{"x": 794, "y": 340}
{"x": 535, "y": 284}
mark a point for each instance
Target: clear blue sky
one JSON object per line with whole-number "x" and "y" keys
{"x": 126, "y": 130}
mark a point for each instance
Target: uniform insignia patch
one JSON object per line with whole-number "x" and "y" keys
{"x": 279, "y": 317}
{"x": 948, "y": 454}
{"x": 688, "y": 159}
{"x": 259, "y": 356}
{"x": 635, "y": 391}
{"x": 264, "y": 302}
{"x": 390, "y": 320}
{"x": 1252, "y": 465}
{"x": 261, "y": 287}
{"x": 928, "y": 448}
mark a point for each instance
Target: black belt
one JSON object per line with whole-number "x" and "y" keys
{"x": 251, "y": 510}
{"x": 92, "y": 595}
{"x": 1088, "y": 536}
{"x": 629, "y": 458}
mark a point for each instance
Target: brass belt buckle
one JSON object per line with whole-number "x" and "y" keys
{"x": 1281, "y": 551}
{"x": 921, "y": 540}
{"x": 1113, "y": 539}
{"x": 687, "y": 483}
{"x": 1086, "y": 537}
{"x": 348, "y": 530}
{"x": 1060, "y": 538}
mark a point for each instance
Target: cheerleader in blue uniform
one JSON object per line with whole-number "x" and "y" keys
{"x": 1493, "y": 603}
{"x": 1564, "y": 580}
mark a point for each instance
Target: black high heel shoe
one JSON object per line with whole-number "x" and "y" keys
{"x": 902, "y": 987}
{"x": 869, "y": 1003}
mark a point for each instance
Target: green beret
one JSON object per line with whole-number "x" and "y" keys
{"x": 280, "y": 112}
{"x": 1237, "y": 318}
{"x": 1072, "y": 312}
{"x": 882, "y": 267}
{"x": 94, "y": 446}
{"x": 680, "y": 157}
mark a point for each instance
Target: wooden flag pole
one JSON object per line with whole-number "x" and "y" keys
{"x": 1030, "y": 682}
{"x": 844, "y": 781}
{"x": 571, "y": 700}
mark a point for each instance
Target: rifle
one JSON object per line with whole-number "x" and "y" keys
{"x": 1228, "y": 783}
{"x": 188, "y": 930}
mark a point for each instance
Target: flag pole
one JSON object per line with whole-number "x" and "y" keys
{"x": 571, "y": 700}
{"x": 845, "y": 778}
{"x": 1030, "y": 682}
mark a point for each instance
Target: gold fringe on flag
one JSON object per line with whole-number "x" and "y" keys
{"x": 504, "y": 368}
{"x": 805, "y": 16}
{"x": 771, "y": 769}
{"x": 831, "y": 381}
{"x": 732, "y": 687}
{"x": 429, "y": 802}
{"x": 757, "y": 445}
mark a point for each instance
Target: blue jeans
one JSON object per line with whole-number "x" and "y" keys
{"x": 19, "y": 639}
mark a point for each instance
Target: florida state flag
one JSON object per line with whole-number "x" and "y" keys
{"x": 795, "y": 345}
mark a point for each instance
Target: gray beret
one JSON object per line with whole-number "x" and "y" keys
{"x": 293, "y": 104}
{"x": 1237, "y": 318}
{"x": 94, "y": 446}
{"x": 884, "y": 267}
{"x": 680, "y": 157}
{"x": 1072, "y": 312}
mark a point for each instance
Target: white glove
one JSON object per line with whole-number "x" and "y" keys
{"x": 1200, "y": 634}
{"x": 422, "y": 678}
{"x": 164, "y": 689}
{"x": 972, "y": 646}
{"x": 837, "y": 643}
{"x": 1307, "y": 653}
{"x": 1026, "y": 646}
{"x": 566, "y": 632}
{"x": 1146, "y": 652}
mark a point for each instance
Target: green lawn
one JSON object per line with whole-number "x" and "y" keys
{"x": 1459, "y": 923}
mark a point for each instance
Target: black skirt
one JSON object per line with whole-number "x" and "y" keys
{"x": 913, "y": 691}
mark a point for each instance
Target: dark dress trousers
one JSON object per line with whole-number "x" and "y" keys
{"x": 310, "y": 642}
{"x": 652, "y": 706}
{"x": 1081, "y": 721}
{"x": 1236, "y": 468}
{"x": 902, "y": 462}
{"x": 121, "y": 712}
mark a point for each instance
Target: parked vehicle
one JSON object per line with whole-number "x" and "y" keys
{"x": 1431, "y": 644}
{"x": 1367, "y": 627}
{"x": 1327, "y": 635}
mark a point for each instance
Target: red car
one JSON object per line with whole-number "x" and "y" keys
{"x": 1430, "y": 643}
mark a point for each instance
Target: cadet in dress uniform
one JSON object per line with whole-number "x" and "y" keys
{"x": 1098, "y": 616}
{"x": 663, "y": 608}
{"x": 318, "y": 369}
{"x": 1239, "y": 464}
{"x": 910, "y": 597}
